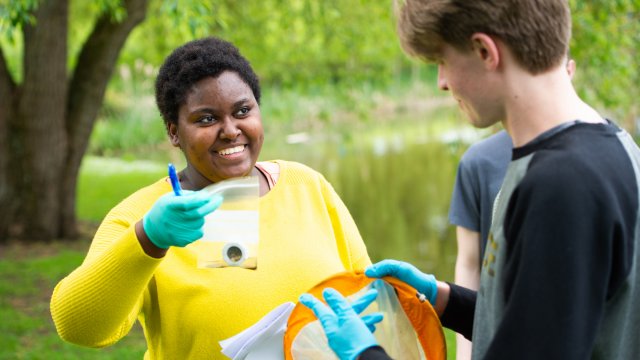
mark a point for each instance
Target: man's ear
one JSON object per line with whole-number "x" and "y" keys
{"x": 172, "y": 131}
{"x": 487, "y": 50}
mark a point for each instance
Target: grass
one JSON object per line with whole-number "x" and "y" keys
{"x": 106, "y": 181}
{"x": 28, "y": 275}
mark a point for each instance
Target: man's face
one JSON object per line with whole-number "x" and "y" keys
{"x": 475, "y": 88}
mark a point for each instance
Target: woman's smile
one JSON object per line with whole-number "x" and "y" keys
{"x": 232, "y": 152}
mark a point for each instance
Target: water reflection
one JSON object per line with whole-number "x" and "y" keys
{"x": 397, "y": 188}
{"x": 382, "y": 145}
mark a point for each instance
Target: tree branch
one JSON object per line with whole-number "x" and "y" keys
{"x": 95, "y": 65}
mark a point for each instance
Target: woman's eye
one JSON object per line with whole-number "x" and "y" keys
{"x": 208, "y": 119}
{"x": 243, "y": 111}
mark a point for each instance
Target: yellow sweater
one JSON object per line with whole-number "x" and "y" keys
{"x": 306, "y": 235}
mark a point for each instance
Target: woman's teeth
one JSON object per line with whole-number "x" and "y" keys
{"x": 232, "y": 150}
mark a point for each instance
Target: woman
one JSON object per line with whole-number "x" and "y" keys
{"x": 137, "y": 266}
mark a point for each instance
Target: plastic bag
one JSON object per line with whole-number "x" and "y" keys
{"x": 231, "y": 233}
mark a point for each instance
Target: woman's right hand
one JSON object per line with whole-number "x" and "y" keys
{"x": 178, "y": 220}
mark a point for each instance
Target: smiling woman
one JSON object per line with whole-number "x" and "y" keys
{"x": 138, "y": 265}
{"x": 221, "y": 121}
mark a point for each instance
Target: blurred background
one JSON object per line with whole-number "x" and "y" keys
{"x": 338, "y": 95}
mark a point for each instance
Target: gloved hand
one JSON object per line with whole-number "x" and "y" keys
{"x": 424, "y": 283}
{"x": 178, "y": 220}
{"x": 359, "y": 305}
{"x": 348, "y": 335}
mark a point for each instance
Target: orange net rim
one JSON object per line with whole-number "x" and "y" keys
{"x": 422, "y": 316}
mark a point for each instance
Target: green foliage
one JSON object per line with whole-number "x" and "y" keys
{"x": 112, "y": 7}
{"x": 309, "y": 46}
{"x": 82, "y": 14}
{"x": 195, "y": 14}
{"x": 306, "y": 44}
{"x": 290, "y": 43}
{"x": 606, "y": 37}
{"x": 14, "y": 14}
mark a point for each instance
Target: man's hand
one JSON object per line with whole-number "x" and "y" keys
{"x": 424, "y": 283}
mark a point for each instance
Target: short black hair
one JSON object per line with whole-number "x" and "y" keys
{"x": 190, "y": 63}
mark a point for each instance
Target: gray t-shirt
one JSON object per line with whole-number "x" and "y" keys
{"x": 480, "y": 174}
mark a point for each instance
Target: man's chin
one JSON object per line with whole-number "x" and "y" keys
{"x": 479, "y": 123}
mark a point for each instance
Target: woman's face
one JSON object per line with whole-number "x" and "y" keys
{"x": 219, "y": 130}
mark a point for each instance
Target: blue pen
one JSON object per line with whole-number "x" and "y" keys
{"x": 175, "y": 182}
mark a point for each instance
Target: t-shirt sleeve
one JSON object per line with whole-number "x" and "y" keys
{"x": 558, "y": 263}
{"x": 465, "y": 203}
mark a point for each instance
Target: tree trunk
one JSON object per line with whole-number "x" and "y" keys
{"x": 45, "y": 123}
{"x": 40, "y": 126}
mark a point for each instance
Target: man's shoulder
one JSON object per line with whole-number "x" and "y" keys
{"x": 495, "y": 148}
{"x": 584, "y": 158}
{"x": 499, "y": 140}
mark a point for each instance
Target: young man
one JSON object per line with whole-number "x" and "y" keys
{"x": 478, "y": 180}
{"x": 561, "y": 273}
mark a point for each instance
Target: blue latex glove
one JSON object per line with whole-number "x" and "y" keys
{"x": 424, "y": 283}
{"x": 348, "y": 335}
{"x": 365, "y": 300}
{"x": 371, "y": 320}
{"x": 178, "y": 220}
